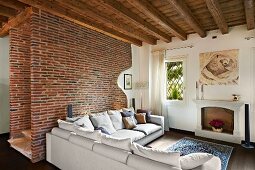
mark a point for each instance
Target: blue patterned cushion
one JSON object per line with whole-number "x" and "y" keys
{"x": 129, "y": 114}
{"x": 103, "y": 130}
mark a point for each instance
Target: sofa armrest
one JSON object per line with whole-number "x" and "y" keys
{"x": 48, "y": 147}
{"x": 158, "y": 120}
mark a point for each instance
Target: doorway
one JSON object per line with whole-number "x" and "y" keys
{"x": 4, "y": 86}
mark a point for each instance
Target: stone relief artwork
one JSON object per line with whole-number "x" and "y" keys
{"x": 219, "y": 67}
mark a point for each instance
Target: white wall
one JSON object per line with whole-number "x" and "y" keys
{"x": 140, "y": 57}
{"x": 4, "y": 85}
{"x": 128, "y": 93}
{"x": 183, "y": 116}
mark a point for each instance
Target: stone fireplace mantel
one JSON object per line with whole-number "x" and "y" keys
{"x": 228, "y": 104}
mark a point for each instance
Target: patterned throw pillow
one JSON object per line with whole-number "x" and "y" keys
{"x": 129, "y": 114}
{"x": 103, "y": 130}
{"x": 128, "y": 109}
{"x": 141, "y": 118}
{"x": 129, "y": 122}
{"x": 148, "y": 114}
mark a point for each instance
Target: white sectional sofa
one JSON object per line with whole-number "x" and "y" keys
{"x": 73, "y": 149}
{"x": 69, "y": 151}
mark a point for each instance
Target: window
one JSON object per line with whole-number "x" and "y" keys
{"x": 175, "y": 79}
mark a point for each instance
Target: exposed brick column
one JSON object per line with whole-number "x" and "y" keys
{"x": 20, "y": 103}
{"x": 53, "y": 63}
{"x": 71, "y": 65}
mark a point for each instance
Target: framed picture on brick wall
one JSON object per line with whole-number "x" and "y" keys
{"x": 127, "y": 81}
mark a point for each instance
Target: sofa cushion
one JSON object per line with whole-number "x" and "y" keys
{"x": 212, "y": 164}
{"x": 103, "y": 130}
{"x": 73, "y": 119}
{"x": 129, "y": 109}
{"x": 81, "y": 141}
{"x": 147, "y": 128}
{"x": 66, "y": 125}
{"x": 84, "y": 122}
{"x": 120, "y": 143}
{"x": 148, "y": 114}
{"x": 141, "y": 118}
{"x": 102, "y": 120}
{"x": 111, "y": 152}
{"x": 65, "y": 134}
{"x": 129, "y": 112}
{"x": 94, "y": 135}
{"x": 142, "y": 163}
{"x": 125, "y": 133}
{"x": 194, "y": 160}
{"x": 129, "y": 122}
{"x": 170, "y": 158}
{"x": 116, "y": 119}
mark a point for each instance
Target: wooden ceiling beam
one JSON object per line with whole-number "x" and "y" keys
{"x": 149, "y": 10}
{"x": 7, "y": 12}
{"x": 85, "y": 10}
{"x": 216, "y": 12}
{"x": 183, "y": 10}
{"x": 121, "y": 10}
{"x": 55, "y": 9}
{"x": 13, "y": 4}
{"x": 16, "y": 21}
{"x": 249, "y": 13}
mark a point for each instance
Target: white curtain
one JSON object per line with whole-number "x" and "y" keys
{"x": 157, "y": 85}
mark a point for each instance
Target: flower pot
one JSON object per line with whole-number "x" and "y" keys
{"x": 217, "y": 130}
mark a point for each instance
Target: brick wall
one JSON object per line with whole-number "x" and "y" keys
{"x": 20, "y": 103}
{"x": 71, "y": 65}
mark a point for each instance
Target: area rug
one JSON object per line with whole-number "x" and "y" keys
{"x": 189, "y": 145}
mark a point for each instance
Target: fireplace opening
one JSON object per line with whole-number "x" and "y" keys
{"x": 219, "y": 113}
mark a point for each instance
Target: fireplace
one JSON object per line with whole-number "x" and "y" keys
{"x": 218, "y": 113}
{"x": 227, "y": 111}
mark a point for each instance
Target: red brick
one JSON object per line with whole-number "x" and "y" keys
{"x": 53, "y": 63}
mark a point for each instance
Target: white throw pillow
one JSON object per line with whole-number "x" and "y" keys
{"x": 116, "y": 119}
{"x": 73, "y": 119}
{"x": 85, "y": 122}
{"x": 102, "y": 120}
{"x": 66, "y": 125}
{"x": 94, "y": 135}
{"x": 120, "y": 143}
{"x": 194, "y": 160}
{"x": 170, "y": 158}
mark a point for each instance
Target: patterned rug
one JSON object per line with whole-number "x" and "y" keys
{"x": 189, "y": 145}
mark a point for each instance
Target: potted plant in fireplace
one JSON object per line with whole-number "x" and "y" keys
{"x": 217, "y": 125}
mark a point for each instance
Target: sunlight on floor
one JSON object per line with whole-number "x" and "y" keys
{"x": 22, "y": 144}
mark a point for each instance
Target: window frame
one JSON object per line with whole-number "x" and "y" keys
{"x": 183, "y": 59}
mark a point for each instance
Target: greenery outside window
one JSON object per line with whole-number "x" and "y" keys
{"x": 175, "y": 79}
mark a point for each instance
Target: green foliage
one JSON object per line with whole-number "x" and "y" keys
{"x": 175, "y": 93}
{"x": 174, "y": 80}
{"x": 174, "y": 70}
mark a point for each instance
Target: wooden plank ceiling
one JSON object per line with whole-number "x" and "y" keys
{"x": 137, "y": 21}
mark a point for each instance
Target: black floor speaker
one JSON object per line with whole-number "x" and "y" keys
{"x": 133, "y": 102}
{"x": 247, "y": 142}
{"x": 69, "y": 111}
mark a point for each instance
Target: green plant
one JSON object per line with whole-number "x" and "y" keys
{"x": 174, "y": 71}
{"x": 174, "y": 74}
{"x": 175, "y": 93}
